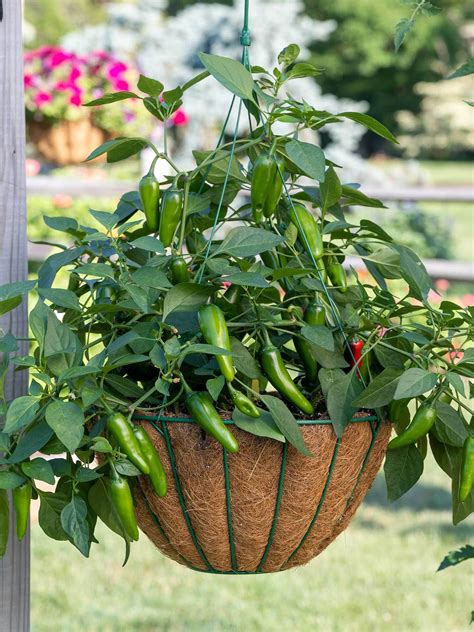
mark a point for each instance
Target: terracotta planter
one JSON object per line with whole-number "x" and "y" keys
{"x": 67, "y": 142}
{"x": 265, "y": 509}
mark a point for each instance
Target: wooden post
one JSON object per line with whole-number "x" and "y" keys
{"x": 14, "y": 568}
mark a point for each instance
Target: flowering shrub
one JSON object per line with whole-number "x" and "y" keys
{"x": 58, "y": 81}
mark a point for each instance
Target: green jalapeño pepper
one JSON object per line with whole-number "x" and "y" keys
{"x": 21, "y": 503}
{"x": 123, "y": 503}
{"x": 308, "y": 230}
{"x": 337, "y": 275}
{"x": 179, "y": 270}
{"x": 277, "y": 373}
{"x": 171, "y": 211}
{"x": 275, "y": 188}
{"x": 214, "y": 329}
{"x": 264, "y": 173}
{"x": 122, "y": 431}
{"x": 420, "y": 425}
{"x": 202, "y": 410}
{"x": 157, "y": 474}
{"x": 466, "y": 482}
{"x": 315, "y": 314}
{"x": 243, "y": 403}
{"x": 149, "y": 189}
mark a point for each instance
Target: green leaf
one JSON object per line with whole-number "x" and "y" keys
{"x": 329, "y": 359}
{"x": 330, "y": 190}
{"x": 185, "y": 297}
{"x": 415, "y": 382}
{"x": 39, "y": 469}
{"x": 246, "y": 241}
{"x": 20, "y": 413}
{"x": 327, "y": 377}
{"x": 356, "y": 198}
{"x": 49, "y": 516}
{"x": 14, "y": 290}
{"x": 216, "y": 172}
{"x": 10, "y": 304}
{"x": 286, "y": 423}
{"x": 85, "y": 474}
{"x": 263, "y": 426}
{"x": 49, "y": 269}
{"x": 456, "y": 382}
{"x": 319, "y": 335}
{"x": 62, "y": 348}
{"x": 119, "y": 149}
{"x": 61, "y": 298}
{"x": 403, "y": 467}
{"x": 403, "y": 27}
{"x": 230, "y": 73}
{"x": 340, "y": 396}
{"x": 453, "y": 558}
{"x": 288, "y": 55}
{"x": 466, "y": 69}
{"x": 381, "y": 390}
{"x": 147, "y": 277}
{"x": 449, "y": 426}
{"x": 112, "y": 98}
{"x": 78, "y": 371}
{"x": 105, "y": 218}
{"x": 10, "y": 480}
{"x": 149, "y": 243}
{"x": 244, "y": 362}
{"x": 30, "y": 442}
{"x": 215, "y": 386}
{"x": 96, "y": 270}
{"x": 150, "y": 86}
{"x": 74, "y": 522}
{"x": 67, "y": 421}
{"x": 4, "y": 522}
{"x": 370, "y": 123}
{"x": 309, "y": 158}
{"x": 414, "y": 273}
{"x": 126, "y": 468}
{"x": 248, "y": 279}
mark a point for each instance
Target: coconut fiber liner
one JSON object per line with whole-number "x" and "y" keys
{"x": 266, "y": 508}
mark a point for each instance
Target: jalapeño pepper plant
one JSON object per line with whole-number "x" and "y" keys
{"x": 224, "y": 292}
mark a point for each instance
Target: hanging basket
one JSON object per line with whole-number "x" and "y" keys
{"x": 266, "y": 508}
{"x": 66, "y": 142}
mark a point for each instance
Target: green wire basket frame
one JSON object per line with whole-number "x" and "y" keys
{"x": 375, "y": 425}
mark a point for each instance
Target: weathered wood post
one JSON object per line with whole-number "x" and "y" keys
{"x": 14, "y": 568}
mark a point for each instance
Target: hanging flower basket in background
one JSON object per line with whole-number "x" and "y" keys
{"x": 57, "y": 82}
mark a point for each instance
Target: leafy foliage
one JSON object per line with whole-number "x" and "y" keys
{"x": 125, "y": 334}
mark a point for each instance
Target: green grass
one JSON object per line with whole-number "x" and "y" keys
{"x": 448, "y": 173}
{"x": 379, "y": 575}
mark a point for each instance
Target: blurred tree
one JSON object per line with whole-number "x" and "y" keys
{"x": 52, "y": 19}
{"x": 359, "y": 59}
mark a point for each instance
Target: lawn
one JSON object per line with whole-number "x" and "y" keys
{"x": 379, "y": 575}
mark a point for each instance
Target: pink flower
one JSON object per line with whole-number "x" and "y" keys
{"x": 28, "y": 81}
{"x": 180, "y": 118}
{"x": 44, "y": 51}
{"x": 116, "y": 69}
{"x": 41, "y": 98}
{"x": 468, "y": 300}
{"x": 434, "y": 297}
{"x": 130, "y": 116}
{"x": 59, "y": 57}
{"x": 121, "y": 84}
{"x": 442, "y": 285}
{"x": 61, "y": 200}
{"x": 75, "y": 99}
{"x": 74, "y": 74}
{"x": 33, "y": 167}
